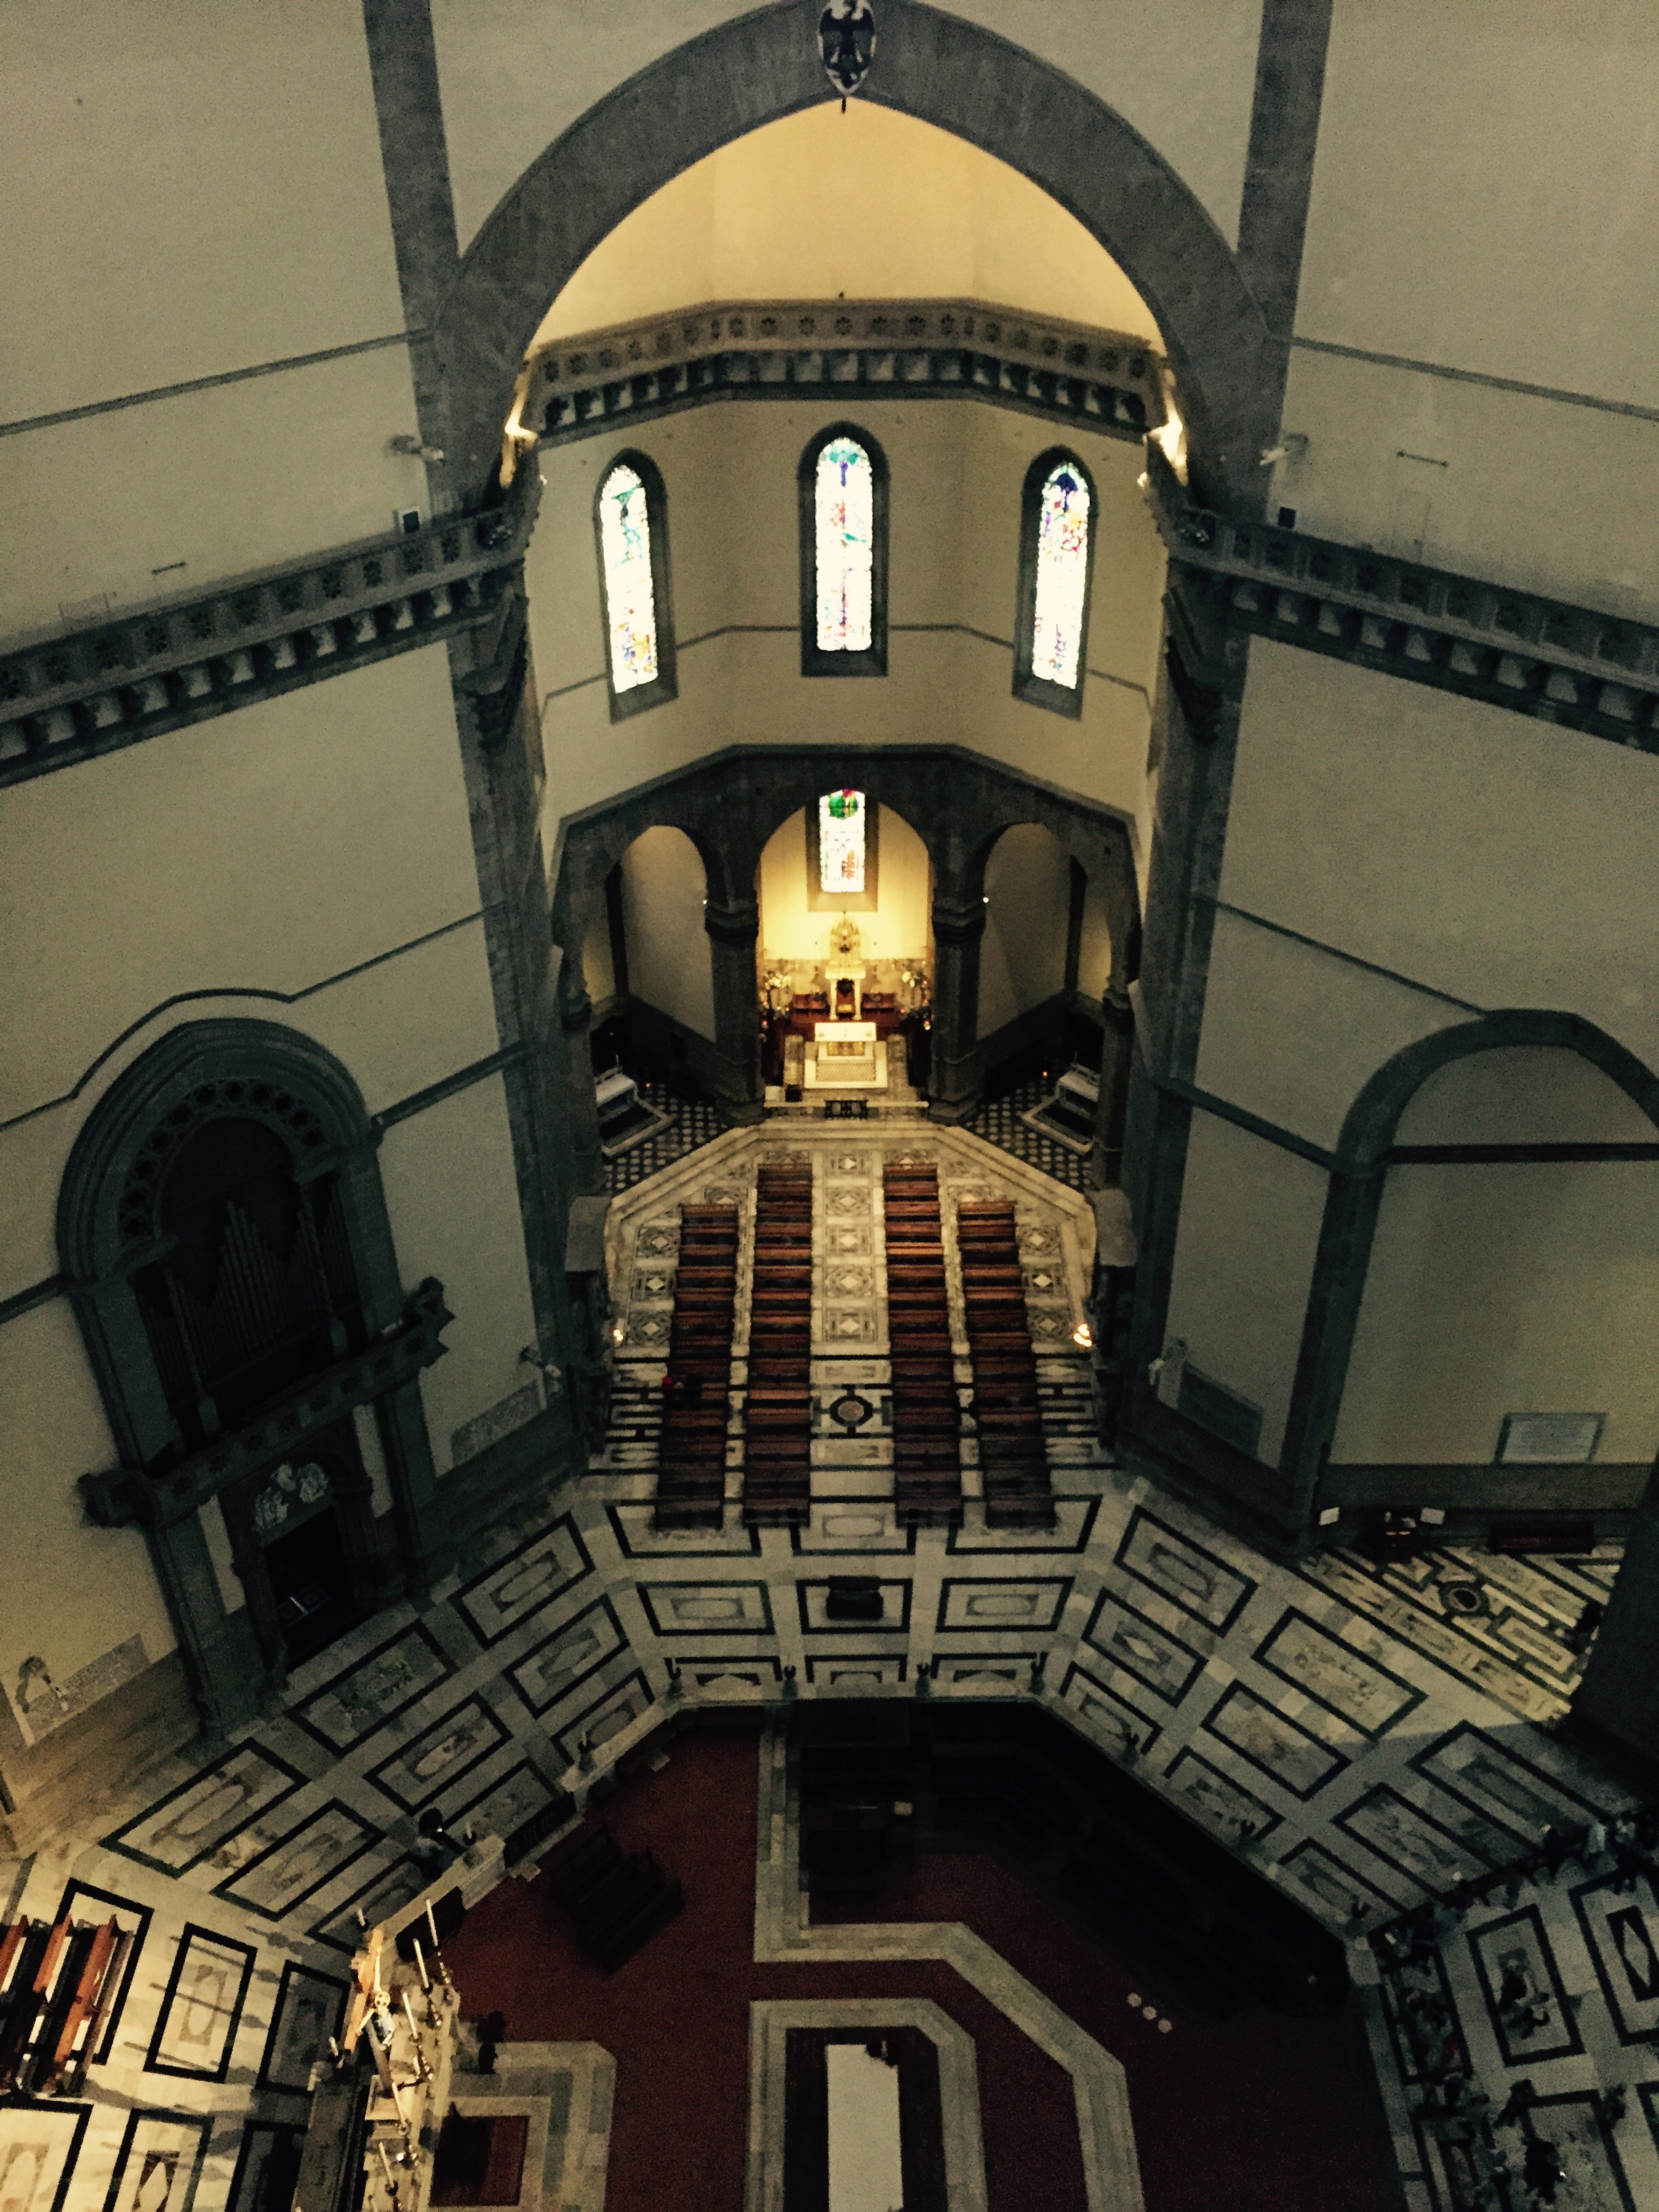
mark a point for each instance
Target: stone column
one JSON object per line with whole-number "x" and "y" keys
{"x": 227, "y": 1692}
{"x": 1116, "y": 1058}
{"x": 579, "y": 1114}
{"x": 1618, "y": 1700}
{"x": 733, "y": 927}
{"x": 958, "y": 927}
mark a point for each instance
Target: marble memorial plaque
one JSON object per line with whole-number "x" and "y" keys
{"x": 1184, "y": 1571}
{"x": 521, "y": 1585}
{"x": 1273, "y": 1742}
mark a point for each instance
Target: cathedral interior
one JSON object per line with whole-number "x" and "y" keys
{"x": 829, "y": 1141}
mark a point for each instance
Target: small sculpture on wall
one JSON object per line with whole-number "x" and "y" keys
{"x": 847, "y": 42}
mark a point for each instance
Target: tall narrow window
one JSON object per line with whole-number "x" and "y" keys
{"x": 842, "y": 853}
{"x": 840, "y": 841}
{"x": 1056, "y": 551}
{"x": 630, "y": 517}
{"x": 843, "y": 523}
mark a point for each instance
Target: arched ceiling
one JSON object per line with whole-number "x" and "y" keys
{"x": 869, "y": 202}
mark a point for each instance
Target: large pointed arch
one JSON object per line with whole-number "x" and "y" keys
{"x": 936, "y": 67}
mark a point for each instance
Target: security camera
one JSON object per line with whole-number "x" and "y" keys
{"x": 403, "y": 443}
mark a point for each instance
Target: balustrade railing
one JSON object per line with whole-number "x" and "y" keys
{"x": 1572, "y": 665}
{"x": 89, "y": 690}
{"x": 786, "y": 349}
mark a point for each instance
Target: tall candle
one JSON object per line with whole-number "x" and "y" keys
{"x": 420, "y": 1962}
{"x": 431, "y": 1921}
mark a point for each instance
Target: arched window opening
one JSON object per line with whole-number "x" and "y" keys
{"x": 630, "y": 516}
{"x": 844, "y": 501}
{"x": 1056, "y": 555}
{"x": 840, "y": 841}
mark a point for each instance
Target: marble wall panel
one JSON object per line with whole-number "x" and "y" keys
{"x": 201, "y": 1816}
{"x": 374, "y": 1690}
{"x": 689, "y": 1608}
{"x": 507, "y": 1593}
{"x": 1358, "y": 1690}
{"x": 994, "y": 1607}
{"x": 301, "y": 1864}
{"x": 1621, "y": 1933}
{"x": 201, "y": 2006}
{"x": 565, "y": 1659}
{"x": 1130, "y": 1640}
{"x": 451, "y": 1748}
{"x": 1183, "y": 1571}
{"x": 1272, "y": 1743}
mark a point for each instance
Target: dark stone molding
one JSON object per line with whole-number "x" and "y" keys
{"x": 1573, "y": 666}
{"x": 1602, "y": 1487}
{"x": 84, "y": 692}
{"x": 403, "y": 63}
{"x": 1062, "y": 373}
{"x": 967, "y": 80}
{"x": 1279, "y": 164}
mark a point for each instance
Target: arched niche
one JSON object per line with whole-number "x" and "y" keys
{"x": 1479, "y": 1172}
{"x": 233, "y": 1164}
{"x": 934, "y": 65}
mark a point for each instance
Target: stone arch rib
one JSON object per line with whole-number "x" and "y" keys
{"x": 936, "y": 67}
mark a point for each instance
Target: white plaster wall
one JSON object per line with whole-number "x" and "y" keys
{"x": 264, "y": 851}
{"x": 187, "y": 191}
{"x": 452, "y": 1196}
{"x": 1250, "y": 1215}
{"x": 68, "y": 1591}
{"x": 956, "y": 472}
{"x": 164, "y": 500}
{"x": 937, "y": 218}
{"x": 1520, "y": 488}
{"x": 1506, "y": 1289}
{"x": 897, "y": 929}
{"x": 1022, "y": 956}
{"x": 1486, "y": 194}
{"x": 1293, "y": 1036}
{"x": 1499, "y": 860}
{"x": 515, "y": 74}
{"x": 668, "y": 959}
{"x": 1523, "y": 1094}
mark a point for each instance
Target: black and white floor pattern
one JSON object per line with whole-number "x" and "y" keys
{"x": 999, "y": 1124}
{"x": 1368, "y": 1748}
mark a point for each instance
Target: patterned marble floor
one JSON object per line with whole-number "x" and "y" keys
{"x": 1365, "y": 1745}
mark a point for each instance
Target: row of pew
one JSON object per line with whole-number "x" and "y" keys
{"x": 777, "y": 1473}
{"x": 1013, "y": 1462}
{"x": 926, "y": 1417}
{"x": 696, "y": 1397}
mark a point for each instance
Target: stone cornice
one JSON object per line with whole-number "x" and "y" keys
{"x": 125, "y": 1496}
{"x": 828, "y": 348}
{"x": 1558, "y": 663}
{"x": 82, "y": 692}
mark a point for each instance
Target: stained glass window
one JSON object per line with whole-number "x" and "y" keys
{"x": 630, "y": 594}
{"x": 841, "y": 842}
{"x": 1062, "y": 575}
{"x": 844, "y": 505}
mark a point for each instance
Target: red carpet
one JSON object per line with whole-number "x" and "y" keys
{"x": 1258, "y": 2114}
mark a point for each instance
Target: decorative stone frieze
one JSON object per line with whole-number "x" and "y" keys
{"x": 819, "y": 349}
{"x": 88, "y": 691}
{"x": 1574, "y": 666}
{"x": 128, "y": 1495}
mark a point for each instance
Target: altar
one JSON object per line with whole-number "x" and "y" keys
{"x": 846, "y": 1056}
